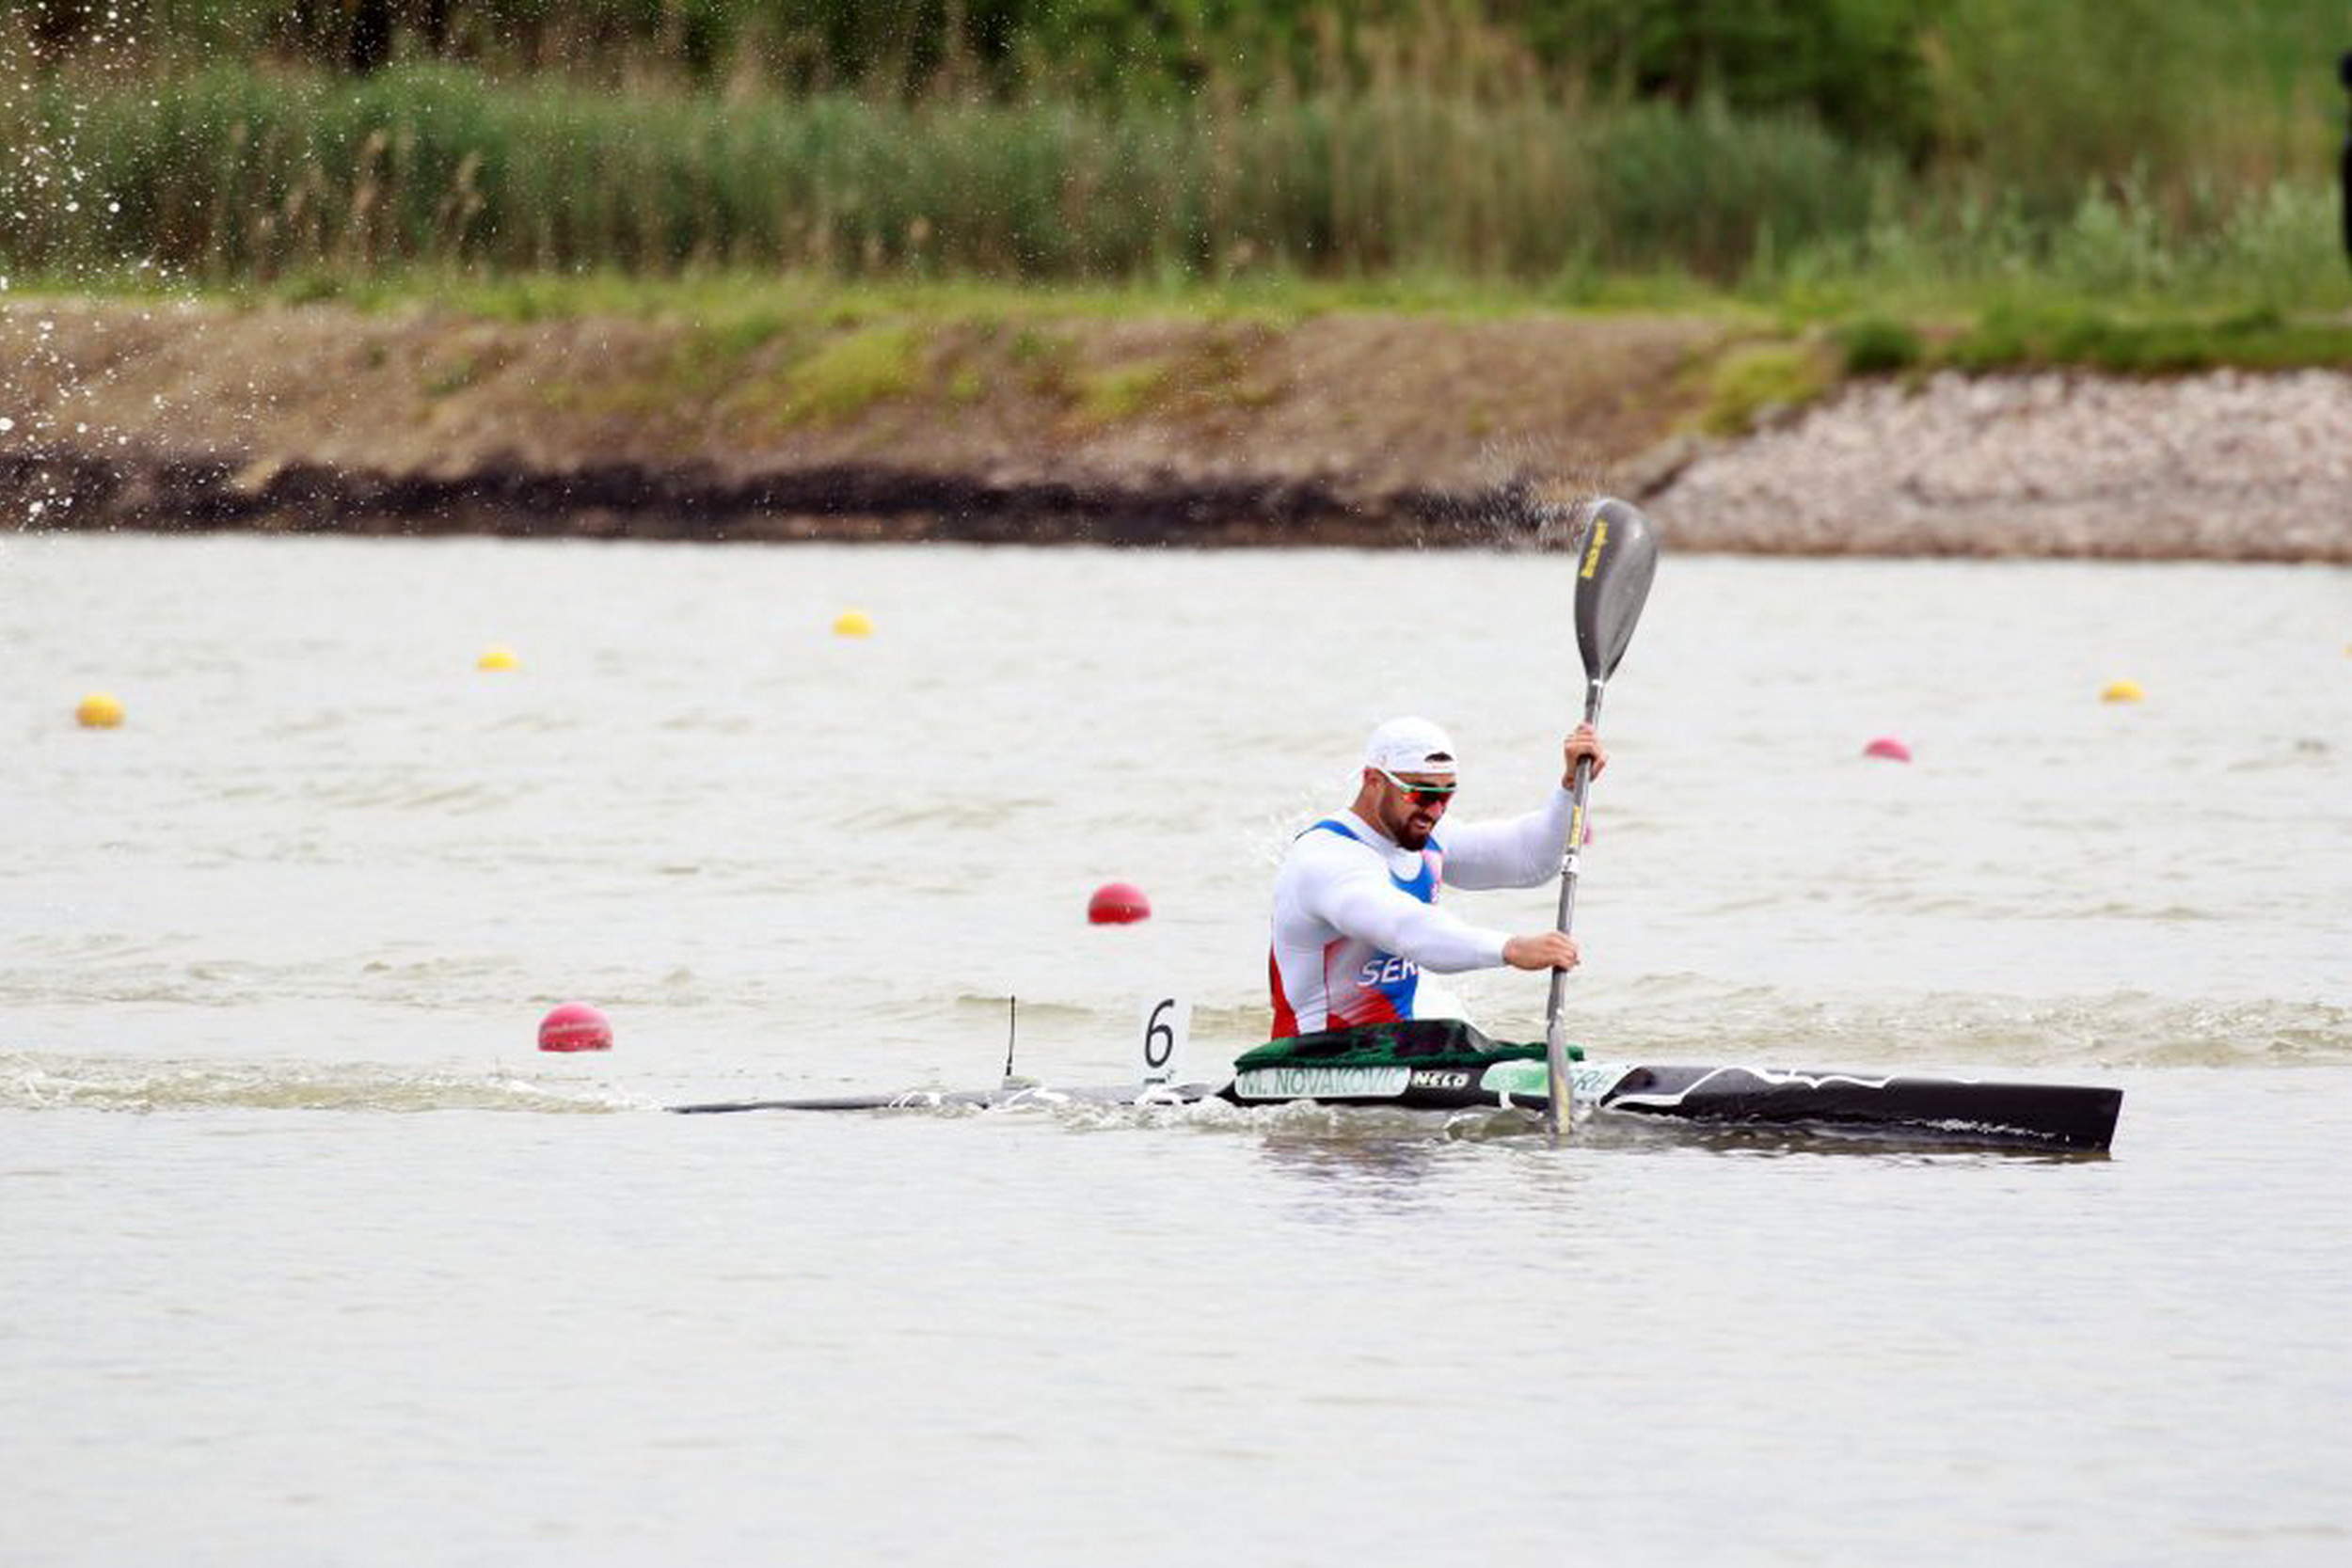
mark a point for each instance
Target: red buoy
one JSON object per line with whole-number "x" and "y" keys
{"x": 1889, "y": 747}
{"x": 575, "y": 1026}
{"x": 1117, "y": 904}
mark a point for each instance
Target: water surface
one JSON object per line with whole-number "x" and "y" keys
{"x": 310, "y": 1256}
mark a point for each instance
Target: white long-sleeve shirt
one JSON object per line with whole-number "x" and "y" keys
{"x": 1356, "y": 921}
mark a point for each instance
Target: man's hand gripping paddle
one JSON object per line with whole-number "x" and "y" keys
{"x": 1616, "y": 555}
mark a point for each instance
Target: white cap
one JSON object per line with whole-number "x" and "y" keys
{"x": 1410, "y": 745}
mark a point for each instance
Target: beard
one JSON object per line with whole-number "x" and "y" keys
{"x": 1410, "y": 832}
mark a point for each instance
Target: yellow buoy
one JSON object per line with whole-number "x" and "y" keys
{"x": 852, "y": 623}
{"x": 2122, "y": 691}
{"x": 98, "y": 711}
{"x": 498, "y": 656}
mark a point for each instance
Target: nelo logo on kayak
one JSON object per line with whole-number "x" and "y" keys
{"x": 1440, "y": 1078}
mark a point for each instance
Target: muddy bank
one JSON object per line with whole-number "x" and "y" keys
{"x": 1363, "y": 429}
{"x": 697, "y": 502}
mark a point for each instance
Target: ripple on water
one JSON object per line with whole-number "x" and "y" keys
{"x": 1686, "y": 1016}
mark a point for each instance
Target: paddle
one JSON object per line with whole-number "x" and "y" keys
{"x": 1616, "y": 553}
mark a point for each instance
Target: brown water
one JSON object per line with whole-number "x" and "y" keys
{"x": 307, "y": 1255}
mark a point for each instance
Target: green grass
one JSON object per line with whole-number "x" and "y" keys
{"x": 1878, "y": 320}
{"x": 1110, "y": 393}
{"x": 1873, "y": 322}
{"x": 442, "y": 378}
{"x": 1754, "y": 381}
{"x": 842, "y": 375}
{"x": 1873, "y": 345}
{"x": 2088, "y": 336}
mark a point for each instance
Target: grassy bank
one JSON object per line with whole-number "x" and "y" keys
{"x": 725, "y": 408}
{"x": 778, "y": 353}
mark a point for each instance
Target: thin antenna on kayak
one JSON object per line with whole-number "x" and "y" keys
{"x": 1012, "y": 1020}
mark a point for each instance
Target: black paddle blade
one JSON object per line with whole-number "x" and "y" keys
{"x": 1616, "y": 555}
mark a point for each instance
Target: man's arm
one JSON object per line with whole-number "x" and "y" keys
{"x": 1367, "y": 906}
{"x": 1519, "y": 851}
{"x": 1522, "y": 851}
{"x": 1359, "y": 900}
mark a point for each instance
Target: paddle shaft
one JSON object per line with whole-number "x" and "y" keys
{"x": 1561, "y": 1108}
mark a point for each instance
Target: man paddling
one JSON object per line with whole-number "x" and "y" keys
{"x": 1355, "y": 905}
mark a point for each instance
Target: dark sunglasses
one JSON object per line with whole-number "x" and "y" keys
{"x": 1427, "y": 794}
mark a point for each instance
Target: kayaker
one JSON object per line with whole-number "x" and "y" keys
{"x": 1354, "y": 905}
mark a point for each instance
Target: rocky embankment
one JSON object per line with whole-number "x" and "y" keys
{"x": 1359, "y": 429}
{"x": 2223, "y": 466}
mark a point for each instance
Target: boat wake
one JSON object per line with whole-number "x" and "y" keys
{"x": 1375, "y": 1132}
{"x": 32, "y": 1082}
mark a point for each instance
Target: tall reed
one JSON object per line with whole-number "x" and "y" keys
{"x": 237, "y": 172}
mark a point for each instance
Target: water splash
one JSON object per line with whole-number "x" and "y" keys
{"x": 66, "y": 224}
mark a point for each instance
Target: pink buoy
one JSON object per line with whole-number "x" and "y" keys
{"x": 1889, "y": 747}
{"x": 575, "y": 1026}
{"x": 1117, "y": 904}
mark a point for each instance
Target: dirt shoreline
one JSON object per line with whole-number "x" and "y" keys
{"x": 1353, "y": 429}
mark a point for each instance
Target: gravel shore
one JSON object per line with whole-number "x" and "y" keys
{"x": 2217, "y": 466}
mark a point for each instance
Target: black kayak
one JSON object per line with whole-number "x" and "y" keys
{"x": 1445, "y": 1065}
